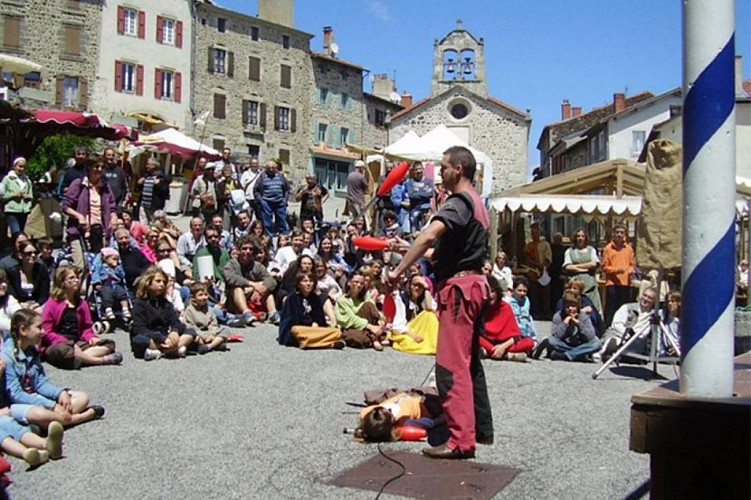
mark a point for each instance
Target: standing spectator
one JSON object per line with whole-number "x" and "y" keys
{"x": 420, "y": 191}
{"x": 248, "y": 182}
{"x": 312, "y": 196}
{"x": 226, "y": 161}
{"x": 581, "y": 262}
{"x": 204, "y": 193}
{"x": 76, "y": 171}
{"x": 115, "y": 177}
{"x": 617, "y": 263}
{"x": 154, "y": 190}
{"x": 357, "y": 185}
{"x": 272, "y": 189}
{"x": 91, "y": 210}
{"x": 17, "y": 193}
{"x": 537, "y": 257}
{"x": 224, "y": 187}
{"x": 555, "y": 271}
{"x": 502, "y": 273}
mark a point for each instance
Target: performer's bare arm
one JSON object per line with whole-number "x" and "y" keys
{"x": 424, "y": 242}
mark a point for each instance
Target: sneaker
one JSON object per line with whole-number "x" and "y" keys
{"x": 248, "y": 318}
{"x": 112, "y": 359}
{"x": 98, "y": 411}
{"x": 182, "y": 351}
{"x": 274, "y": 318}
{"x": 483, "y": 353}
{"x": 126, "y": 314}
{"x": 610, "y": 348}
{"x": 35, "y": 457}
{"x": 152, "y": 354}
{"x": 377, "y": 346}
{"x": 236, "y": 322}
{"x": 558, "y": 356}
{"x": 540, "y": 347}
{"x": 203, "y": 349}
{"x": 339, "y": 344}
{"x": 55, "y": 440}
{"x": 109, "y": 313}
{"x": 262, "y": 316}
{"x": 519, "y": 357}
{"x": 222, "y": 347}
{"x": 99, "y": 328}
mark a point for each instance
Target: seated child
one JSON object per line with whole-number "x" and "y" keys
{"x": 46, "y": 247}
{"x": 108, "y": 277}
{"x": 572, "y": 336}
{"x": 502, "y": 338}
{"x": 200, "y": 316}
{"x": 303, "y": 321}
{"x": 34, "y": 399}
{"x": 156, "y": 330}
{"x": 69, "y": 341}
{"x": 19, "y": 441}
{"x": 520, "y": 305}
{"x": 382, "y": 422}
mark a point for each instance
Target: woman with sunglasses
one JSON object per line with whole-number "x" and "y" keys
{"x": 29, "y": 282}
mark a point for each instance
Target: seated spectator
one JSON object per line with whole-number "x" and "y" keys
{"x": 8, "y": 304}
{"x": 29, "y": 281}
{"x": 156, "y": 330}
{"x": 631, "y": 319}
{"x": 572, "y": 337}
{"x": 502, "y": 273}
{"x": 135, "y": 228}
{"x": 501, "y": 338}
{"x": 134, "y": 262}
{"x": 174, "y": 292}
{"x": 45, "y": 257}
{"x": 20, "y": 441}
{"x": 333, "y": 258}
{"x": 287, "y": 254}
{"x": 371, "y": 280}
{"x": 69, "y": 341}
{"x": 242, "y": 228}
{"x": 256, "y": 230}
{"x": 189, "y": 243}
{"x": 149, "y": 248}
{"x": 358, "y": 316}
{"x": 327, "y": 286}
{"x": 108, "y": 278}
{"x": 391, "y": 227}
{"x": 487, "y": 268}
{"x": 165, "y": 225}
{"x": 225, "y": 238}
{"x": 575, "y": 285}
{"x": 200, "y": 316}
{"x": 14, "y": 258}
{"x": 520, "y": 304}
{"x": 415, "y": 325}
{"x": 742, "y": 277}
{"x": 248, "y": 282}
{"x": 670, "y": 346}
{"x": 219, "y": 257}
{"x": 308, "y": 228}
{"x": 33, "y": 398}
{"x": 288, "y": 284}
{"x": 303, "y": 321}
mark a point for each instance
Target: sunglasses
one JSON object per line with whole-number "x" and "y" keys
{"x": 30, "y": 252}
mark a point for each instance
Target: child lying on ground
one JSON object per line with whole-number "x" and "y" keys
{"x": 383, "y": 421}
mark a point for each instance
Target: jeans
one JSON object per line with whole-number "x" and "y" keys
{"x": 574, "y": 353}
{"x": 277, "y": 209}
{"x": 16, "y": 221}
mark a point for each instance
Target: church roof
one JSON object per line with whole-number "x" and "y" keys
{"x": 492, "y": 100}
{"x": 460, "y": 29}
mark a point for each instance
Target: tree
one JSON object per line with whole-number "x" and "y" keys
{"x": 55, "y": 151}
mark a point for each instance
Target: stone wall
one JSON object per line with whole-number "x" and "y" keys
{"x": 42, "y": 39}
{"x": 269, "y": 49}
{"x": 496, "y": 131}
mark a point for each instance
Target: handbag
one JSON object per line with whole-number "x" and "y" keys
{"x": 544, "y": 279}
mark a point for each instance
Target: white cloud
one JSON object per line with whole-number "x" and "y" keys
{"x": 380, "y": 9}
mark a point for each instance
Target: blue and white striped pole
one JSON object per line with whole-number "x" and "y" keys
{"x": 707, "y": 312}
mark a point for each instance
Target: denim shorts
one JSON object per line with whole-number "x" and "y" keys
{"x": 10, "y": 428}
{"x": 20, "y": 412}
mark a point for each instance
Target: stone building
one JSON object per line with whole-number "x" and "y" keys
{"x": 342, "y": 113}
{"x": 144, "y": 66}
{"x": 459, "y": 99}
{"x": 253, "y": 76}
{"x": 62, "y": 36}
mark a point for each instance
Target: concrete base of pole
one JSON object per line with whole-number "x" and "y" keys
{"x": 699, "y": 447}
{"x": 742, "y": 332}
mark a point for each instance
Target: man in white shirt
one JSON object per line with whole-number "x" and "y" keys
{"x": 188, "y": 243}
{"x": 630, "y": 319}
{"x": 248, "y": 181}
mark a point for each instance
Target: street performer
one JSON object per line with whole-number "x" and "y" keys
{"x": 458, "y": 236}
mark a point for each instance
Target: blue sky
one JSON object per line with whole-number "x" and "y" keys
{"x": 538, "y": 52}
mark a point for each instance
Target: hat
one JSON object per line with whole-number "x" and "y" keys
{"x": 109, "y": 251}
{"x": 359, "y": 164}
{"x": 167, "y": 266}
{"x": 209, "y": 166}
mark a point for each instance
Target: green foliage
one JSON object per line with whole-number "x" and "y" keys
{"x": 55, "y": 150}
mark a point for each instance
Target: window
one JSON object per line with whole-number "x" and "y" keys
{"x": 220, "y": 56}
{"x": 168, "y": 31}
{"x": 323, "y": 95}
{"x": 72, "y": 40}
{"x": 130, "y": 22}
{"x": 221, "y": 24}
{"x": 217, "y": 143}
{"x": 70, "y": 91}
{"x": 284, "y": 157}
{"x": 322, "y": 129}
{"x": 11, "y": 32}
{"x": 459, "y": 111}
{"x": 285, "y": 118}
{"x": 250, "y": 112}
{"x": 344, "y": 100}
{"x": 345, "y": 74}
{"x": 254, "y": 33}
{"x": 167, "y": 84}
{"x": 254, "y": 68}
{"x": 343, "y": 136}
{"x": 128, "y": 77}
{"x": 637, "y": 142}
{"x": 380, "y": 117}
{"x": 254, "y": 151}
{"x": 286, "y": 76}
{"x": 220, "y": 104}
{"x": 285, "y": 41}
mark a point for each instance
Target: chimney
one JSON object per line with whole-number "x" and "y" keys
{"x": 619, "y": 102}
{"x": 739, "y": 75}
{"x": 406, "y": 100}
{"x": 576, "y": 111}
{"x": 328, "y": 39}
{"x": 565, "y": 110}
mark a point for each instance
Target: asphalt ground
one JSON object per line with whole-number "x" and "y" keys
{"x": 265, "y": 421}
